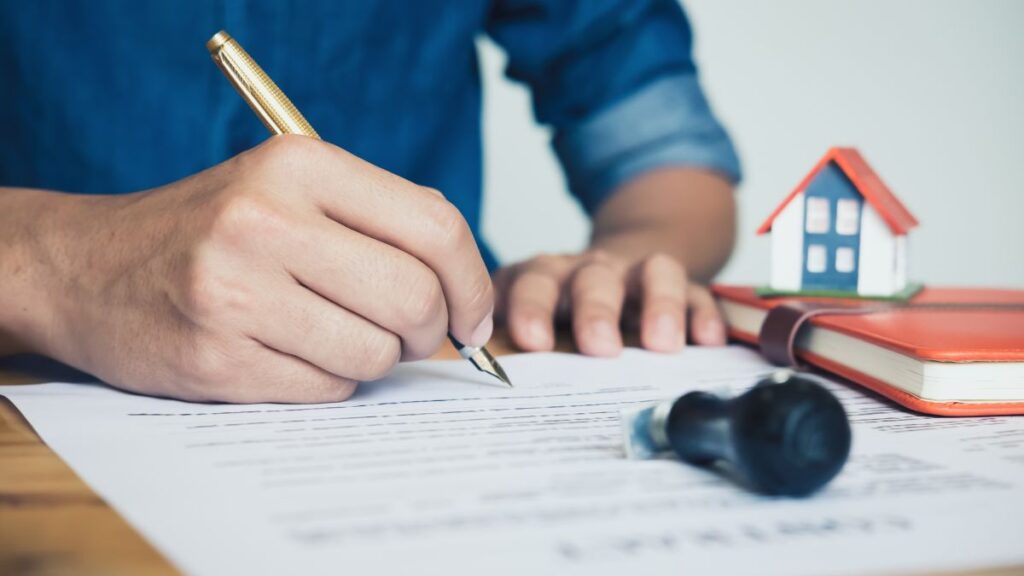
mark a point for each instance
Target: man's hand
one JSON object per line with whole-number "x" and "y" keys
{"x": 595, "y": 291}
{"x": 286, "y": 274}
{"x": 656, "y": 242}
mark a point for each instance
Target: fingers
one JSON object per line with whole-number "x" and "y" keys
{"x": 237, "y": 368}
{"x": 597, "y": 291}
{"x": 531, "y": 301}
{"x": 387, "y": 287}
{"x": 662, "y": 287}
{"x": 302, "y": 324}
{"x": 288, "y": 379}
{"x": 666, "y": 295}
{"x": 414, "y": 219}
{"x": 706, "y": 326}
{"x": 279, "y": 377}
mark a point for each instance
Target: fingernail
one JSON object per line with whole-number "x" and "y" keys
{"x": 482, "y": 333}
{"x": 666, "y": 334}
{"x": 604, "y": 338}
{"x": 539, "y": 334}
{"x": 712, "y": 332}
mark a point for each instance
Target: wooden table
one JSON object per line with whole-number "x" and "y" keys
{"x": 52, "y": 523}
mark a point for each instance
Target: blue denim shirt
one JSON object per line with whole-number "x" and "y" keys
{"x": 114, "y": 96}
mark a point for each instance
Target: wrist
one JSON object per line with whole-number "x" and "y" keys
{"x": 688, "y": 214}
{"x": 31, "y": 237}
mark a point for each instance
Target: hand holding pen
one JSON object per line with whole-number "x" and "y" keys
{"x": 288, "y": 273}
{"x": 280, "y": 116}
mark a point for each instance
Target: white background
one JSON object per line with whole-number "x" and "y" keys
{"x": 930, "y": 91}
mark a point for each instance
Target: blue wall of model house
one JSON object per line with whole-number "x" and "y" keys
{"x": 832, "y": 185}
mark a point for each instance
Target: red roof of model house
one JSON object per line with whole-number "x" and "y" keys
{"x": 892, "y": 211}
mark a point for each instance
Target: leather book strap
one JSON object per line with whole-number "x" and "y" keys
{"x": 779, "y": 330}
{"x": 780, "y": 327}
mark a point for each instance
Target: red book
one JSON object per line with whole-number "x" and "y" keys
{"x": 949, "y": 352}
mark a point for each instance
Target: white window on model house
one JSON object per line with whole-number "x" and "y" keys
{"x": 818, "y": 215}
{"x": 847, "y": 216}
{"x": 844, "y": 257}
{"x": 817, "y": 258}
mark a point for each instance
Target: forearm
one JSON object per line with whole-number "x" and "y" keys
{"x": 24, "y": 314}
{"x": 687, "y": 213}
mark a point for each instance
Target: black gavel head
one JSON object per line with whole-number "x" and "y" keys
{"x": 787, "y": 435}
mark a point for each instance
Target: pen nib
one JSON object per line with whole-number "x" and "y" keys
{"x": 484, "y": 362}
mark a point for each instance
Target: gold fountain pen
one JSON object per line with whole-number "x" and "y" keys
{"x": 280, "y": 116}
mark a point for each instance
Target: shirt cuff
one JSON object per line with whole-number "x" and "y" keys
{"x": 668, "y": 122}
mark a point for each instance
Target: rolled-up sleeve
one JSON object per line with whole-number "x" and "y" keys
{"x": 617, "y": 82}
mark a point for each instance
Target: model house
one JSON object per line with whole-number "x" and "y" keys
{"x": 840, "y": 230}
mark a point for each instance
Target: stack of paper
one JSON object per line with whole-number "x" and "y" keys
{"x": 436, "y": 470}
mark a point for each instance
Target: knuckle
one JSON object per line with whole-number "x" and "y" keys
{"x": 280, "y": 159}
{"x": 532, "y": 283}
{"x": 343, "y": 390}
{"x": 433, "y": 192}
{"x": 549, "y": 263}
{"x": 659, "y": 305}
{"x": 591, "y": 309}
{"x": 480, "y": 294}
{"x": 424, "y": 304}
{"x": 207, "y": 365}
{"x": 599, "y": 265}
{"x": 204, "y": 290}
{"x": 594, "y": 284}
{"x": 382, "y": 351}
{"x": 447, "y": 228}
{"x": 597, "y": 275}
{"x": 580, "y": 281}
{"x": 209, "y": 292}
{"x": 660, "y": 261}
{"x": 661, "y": 264}
{"x": 240, "y": 218}
{"x": 288, "y": 149}
{"x": 597, "y": 256}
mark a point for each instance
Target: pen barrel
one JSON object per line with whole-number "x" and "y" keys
{"x": 274, "y": 109}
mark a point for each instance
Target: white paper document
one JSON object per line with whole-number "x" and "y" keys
{"x": 437, "y": 470}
